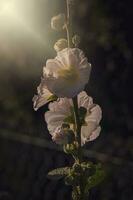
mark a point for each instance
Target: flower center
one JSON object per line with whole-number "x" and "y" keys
{"x": 69, "y": 74}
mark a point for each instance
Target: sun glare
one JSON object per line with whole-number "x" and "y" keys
{"x": 7, "y": 8}
{"x": 11, "y": 15}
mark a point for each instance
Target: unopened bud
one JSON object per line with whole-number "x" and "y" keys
{"x": 60, "y": 45}
{"x": 76, "y": 40}
{"x": 63, "y": 135}
{"x": 70, "y": 136}
{"x": 58, "y": 22}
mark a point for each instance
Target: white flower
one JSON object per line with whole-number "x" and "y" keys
{"x": 43, "y": 96}
{"x": 68, "y": 73}
{"x": 61, "y": 109}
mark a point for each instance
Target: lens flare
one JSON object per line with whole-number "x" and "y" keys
{"x": 7, "y": 7}
{"x": 13, "y": 17}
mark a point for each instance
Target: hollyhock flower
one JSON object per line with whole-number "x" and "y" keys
{"x": 62, "y": 109}
{"x": 68, "y": 73}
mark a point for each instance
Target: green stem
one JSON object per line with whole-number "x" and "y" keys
{"x": 68, "y": 25}
{"x": 77, "y": 121}
{"x": 68, "y": 35}
{"x": 80, "y": 194}
{"x": 77, "y": 192}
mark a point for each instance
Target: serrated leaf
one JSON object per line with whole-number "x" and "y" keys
{"x": 58, "y": 173}
{"x": 95, "y": 179}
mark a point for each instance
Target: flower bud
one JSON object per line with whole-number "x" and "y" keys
{"x": 70, "y": 136}
{"x": 59, "y": 137}
{"x": 76, "y": 40}
{"x": 60, "y": 44}
{"x": 58, "y": 22}
{"x": 63, "y": 135}
{"x": 69, "y": 148}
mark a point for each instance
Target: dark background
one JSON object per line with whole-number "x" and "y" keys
{"x": 26, "y": 150}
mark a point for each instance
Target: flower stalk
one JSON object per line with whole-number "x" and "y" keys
{"x": 78, "y": 196}
{"x": 73, "y": 119}
{"x": 75, "y": 105}
{"x": 75, "y": 100}
{"x": 68, "y": 25}
{"x": 77, "y": 122}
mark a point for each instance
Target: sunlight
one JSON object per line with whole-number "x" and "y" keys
{"x": 7, "y": 7}
{"x": 11, "y": 15}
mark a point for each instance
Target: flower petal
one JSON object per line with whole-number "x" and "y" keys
{"x": 54, "y": 120}
{"x": 61, "y": 109}
{"x": 59, "y": 136}
{"x": 62, "y": 105}
{"x": 51, "y": 68}
{"x": 67, "y": 57}
{"x": 95, "y": 133}
{"x": 92, "y": 137}
{"x": 42, "y": 97}
{"x": 84, "y": 100}
{"x": 87, "y": 130}
{"x": 94, "y": 115}
{"x": 58, "y": 110}
{"x": 68, "y": 73}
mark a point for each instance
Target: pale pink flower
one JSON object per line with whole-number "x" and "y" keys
{"x": 64, "y": 76}
{"x": 61, "y": 109}
{"x": 68, "y": 73}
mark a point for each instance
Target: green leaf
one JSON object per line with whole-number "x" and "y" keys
{"x": 58, "y": 173}
{"x": 69, "y": 180}
{"x": 95, "y": 179}
{"x": 52, "y": 98}
{"x": 88, "y": 168}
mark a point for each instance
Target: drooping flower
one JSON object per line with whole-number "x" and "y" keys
{"x": 62, "y": 109}
{"x": 42, "y": 97}
{"x": 68, "y": 73}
